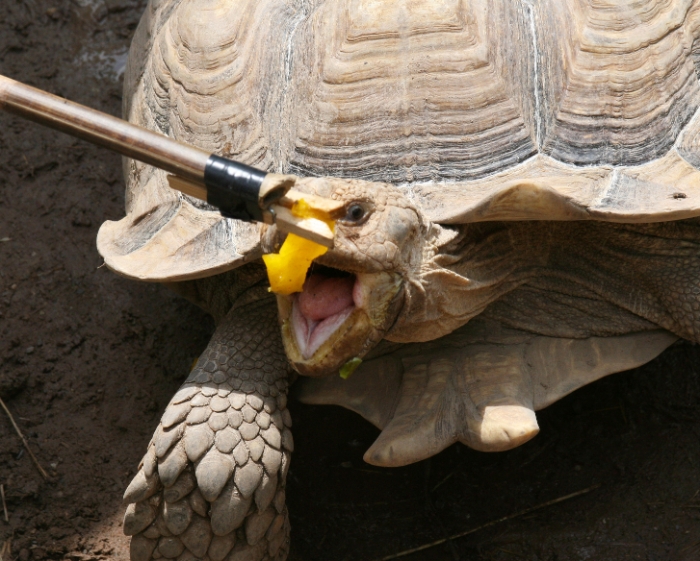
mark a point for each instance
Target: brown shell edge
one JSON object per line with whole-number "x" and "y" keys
{"x": 192, "y": 244}
{"x": 189, "y": 242}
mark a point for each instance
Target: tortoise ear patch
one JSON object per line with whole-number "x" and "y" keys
{"x": 480, "y": 385}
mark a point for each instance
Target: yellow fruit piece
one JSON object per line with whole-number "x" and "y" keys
{"x": 302, "y": 209}
{"x": 349, "y": 367}
{"x": 287, "y": 269}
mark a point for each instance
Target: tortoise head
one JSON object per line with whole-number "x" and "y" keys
{"x": 355, "y": 293}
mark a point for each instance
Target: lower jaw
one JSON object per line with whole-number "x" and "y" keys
{"x": 379, "y": 297}
{"x": 347, "y": 341}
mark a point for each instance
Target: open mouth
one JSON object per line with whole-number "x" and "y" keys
{"x": 338, "y": 316}
{"x": 329, "y": 297}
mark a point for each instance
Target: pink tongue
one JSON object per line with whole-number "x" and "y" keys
{"x": 323, "y": 296}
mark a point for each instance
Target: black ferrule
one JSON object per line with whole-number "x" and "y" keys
{"x": 234, "y": 188}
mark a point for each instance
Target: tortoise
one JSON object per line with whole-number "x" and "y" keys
{"x": 522, "y": 187}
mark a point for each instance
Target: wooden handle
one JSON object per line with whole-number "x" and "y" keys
{"x": 116, "y": 134}
{"x": 187, "y": 163}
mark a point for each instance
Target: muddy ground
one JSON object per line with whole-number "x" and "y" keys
{"x": 88, "y": 361}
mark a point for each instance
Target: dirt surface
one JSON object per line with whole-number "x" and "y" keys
{"x": 88, "y": 361}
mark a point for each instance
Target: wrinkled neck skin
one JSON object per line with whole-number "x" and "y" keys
{"x": 462, "y": 269}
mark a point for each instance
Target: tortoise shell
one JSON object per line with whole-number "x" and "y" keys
{"x": 478, "y": 110}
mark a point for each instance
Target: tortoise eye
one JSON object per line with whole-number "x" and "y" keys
{"x": 356, "y": 212}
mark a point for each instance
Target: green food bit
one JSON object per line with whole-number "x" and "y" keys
{"x": 349, "y": 367}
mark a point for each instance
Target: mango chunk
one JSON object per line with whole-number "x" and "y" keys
{"x": 349, "y": 367}
{"x": 302, "y": 209}
{"x": 287, "y": 269}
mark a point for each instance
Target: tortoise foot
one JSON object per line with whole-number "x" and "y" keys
{"x": 212, "y": 483}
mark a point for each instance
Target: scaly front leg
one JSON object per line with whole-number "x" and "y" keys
{"x": 212, "y": 482}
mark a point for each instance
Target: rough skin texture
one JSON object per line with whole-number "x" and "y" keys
{"x": 602, "y": 278}
{"x": 212, "y": 483}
